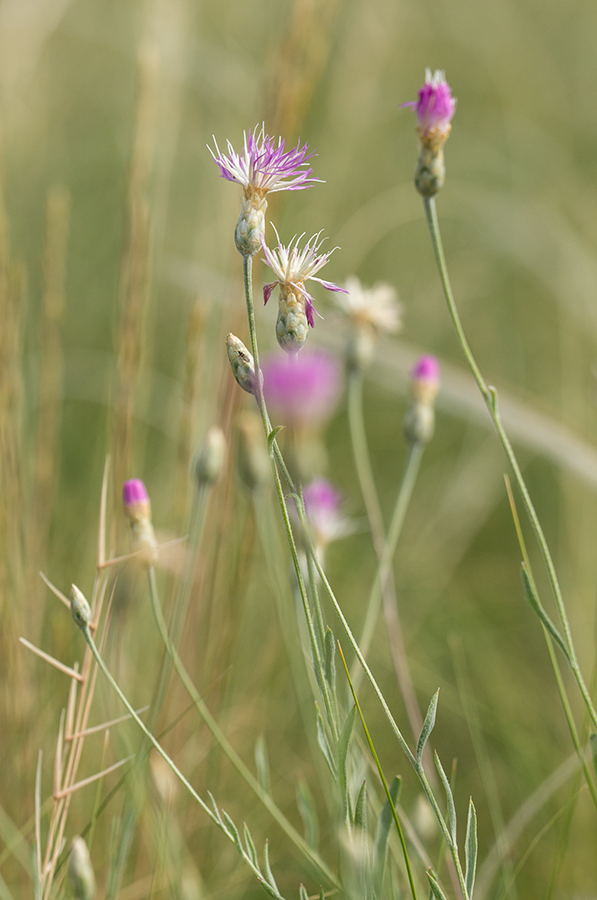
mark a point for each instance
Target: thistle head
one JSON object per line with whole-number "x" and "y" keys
{"x": 370, "y": 312}
{"x": 79, "y": 607}
{"x": 419, "y": 421}
{"x": 435, "y": 108}
{"x": 137, "y": 509}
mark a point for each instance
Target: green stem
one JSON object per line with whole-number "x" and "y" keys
{"x": 222, "y": 740}
{"x": 490, "y": 396}
{"x": 385, "y": 563}
{"x": 278, "y": 465}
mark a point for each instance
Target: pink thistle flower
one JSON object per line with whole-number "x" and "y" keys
{"x": 135, "y": 498}
{"x": 435, "y": 106}
{"x": 293, "y": 267}
{"x": 264, "y": 166}
{"x": 303, "y": 390}
{"x": 425, "y": 378}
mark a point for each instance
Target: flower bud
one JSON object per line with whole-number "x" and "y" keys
{"x": 292, "y": 325}
{"x": 435, "y": 108}
{"x": 250, "y": 227}
{"x": 80, "y": 871}
{"x": 419, "y": 421}
{"x": 242, "y": 364}
{"x": 137, "y": 509}
{"x": 79, "y": 607}
{"x": 211, "y": 457}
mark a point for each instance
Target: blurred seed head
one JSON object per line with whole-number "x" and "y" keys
{"x": 80, "y": 871}
{"x": 211, "y": 457}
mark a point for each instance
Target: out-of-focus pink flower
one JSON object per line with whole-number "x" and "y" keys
{"x": 425, "y": 379}
{"x": 264, "y": 165}
{"x": 135, "y": 499}
{"x": 322, "y": 508}
{"x": 435, "y": 106}
{"x": 304, "y": 389}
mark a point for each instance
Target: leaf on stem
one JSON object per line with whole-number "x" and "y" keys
{"x": 342, "y": 755}
{"x": 427, "y": 728}
{"x": 382, "y": 836}
{"x": 470, "y": 848}
{"x": 436, "y": 890}
{"x": 532, "y": 598}
{"x": 449, "y": 798}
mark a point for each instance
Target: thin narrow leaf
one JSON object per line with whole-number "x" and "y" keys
{"x": 342, "y": 755}
{"x": 329, "y": 659}
{"x": 233, "y": 832}
{"x": 470, "y": 848}
{"x": 303, "y": 893}
{"x": 308, "y": 812}
{"x": 252, "y": 852}
{"x": 382, "y": 836}
{"x": 325, "y": 746}
{"x": 593, "y": 746}
{"x": 268, "y": 869}
{"x": 262, "y": 764}
{"x": 436, "y": 890}
{"x": 530, "y": 595}
{"x": 272, "y": 436}
{"x": 449, "y": 798}
{"x": 427, "y": 728}
{"x": 360, "y": 809}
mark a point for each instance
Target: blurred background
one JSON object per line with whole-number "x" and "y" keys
{"x": 119, "y": 281}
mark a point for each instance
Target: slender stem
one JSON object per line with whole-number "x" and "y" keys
{"x": 389, "y": 551}
{"x": 490, "y": 396}
{"x": 279, "y": 462}
{"x": 222, "y": 740}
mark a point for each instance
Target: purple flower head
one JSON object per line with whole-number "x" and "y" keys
{"x": 134, "y": 491}
{"x": 292, "y": 267}
{"x": 425, "y": 379}
{"x": 322, "y": 508}
{"x": 135, "y": 499}
{"x": 302, "y": 390}
{"x": 435, "y": 106}
{"x": 264, "y": 166}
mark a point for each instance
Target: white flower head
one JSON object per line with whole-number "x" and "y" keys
{"x": 376, "y": 307}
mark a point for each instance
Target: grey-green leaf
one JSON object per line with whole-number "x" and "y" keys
{"x": 342, "y": 755}
{"x": 427, "y": 728}
{"x": 308, "y": 812}
{"x": 268, "y": 869}
{"x": 470, "y": 848}
{"x": 449, "y": 798}
{"x": 530, "y": 595}
{"x": 251, "y": 851}
{"x": 382, "y": 835}
{"x": 360, "y": 809}
{"x": 436, "y": 890}
{"x": 303, "y": 893}
{"x": 325, "y": 746}
{"x": 330, "y": 658}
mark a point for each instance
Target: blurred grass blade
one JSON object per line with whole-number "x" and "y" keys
{"x": 530, "y": 595}
{"x": 262, "y": 764}
{"x": 427, "y": 728}
{"x": 360, "y": 809}
{"x": 470, "y": 848}
{"x": 325, "y": 746}
{"x": 329, "y": 659}
{"x": 308, "y": 813}
{"x": 449, "y": 798}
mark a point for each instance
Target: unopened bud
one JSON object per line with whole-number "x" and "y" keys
{"x": 251, "y": 224}
{"x": 360, "y": 349}
{"x": 254, "y": 467}
{"x": 80, "y": 871}
{"x": 292, "y": 325}
{"x": 242, "y": 364}
{"x": 79, "y": 607}
{"x": 211, "y": 456}
{"x": 137, "y": 509}
{"x": 419, "y": 421}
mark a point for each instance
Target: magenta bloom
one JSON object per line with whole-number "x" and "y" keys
{"x": 435, "y": 106}
{"x": 304, "y": 389}
{"x": 264, "y": 166}
{"x": 134, "y": 491}
{"x": 293, "y": 267}
{"x": 425, "y": 379}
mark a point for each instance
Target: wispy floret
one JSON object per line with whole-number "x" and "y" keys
{"x": 293, "y": 267}
{"x": 264, "y": 165}
{"x": 435, "y": 108}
